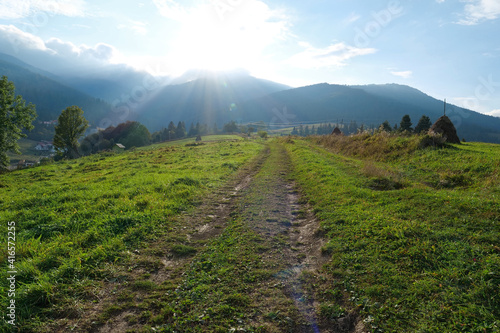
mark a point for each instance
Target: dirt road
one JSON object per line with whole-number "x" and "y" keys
{"x": 249, "y": 260}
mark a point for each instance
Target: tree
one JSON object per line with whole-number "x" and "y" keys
{"x": 385, "y": 126}
{"x": 180, "y": 131}
{"x": 192, "y": 131}
{"x": 230, "y": 127}
{"x": 137, "y": 136}
{"x": 71, "y": 125}
{"x": 353, "y": 127}
{"x": 405, "y": 124}
{"x": 306, "y": 131}
{"x": 171, "y": 130}
{"x": 15, "y": 116}
{"x": 423, "y": 124}
{"x": 301, "y": 130}
{"x": 215, "y": 130}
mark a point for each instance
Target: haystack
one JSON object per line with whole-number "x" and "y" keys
{"x": 445, "y": 127}
{"x": 337, "y": 131}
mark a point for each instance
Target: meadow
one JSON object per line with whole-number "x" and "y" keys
{"x": 413, "y": 233}
{"x": 76, "y": 220}
{"x": 207, "y": 237}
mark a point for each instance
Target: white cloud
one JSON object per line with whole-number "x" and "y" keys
{"x": 13, "y": 39}
{"x": 138, "y": 27}
{"x": 403, "y": 74}
{"x": 100, "y": 52}
{"x": 480, "y": 10}
{"x": 353, "y": 17}
{"x": 335, "y": 55}
{"x": 14, "y": 9}
{"x": 494, "y": 113}
{"x": 56, "y": 55}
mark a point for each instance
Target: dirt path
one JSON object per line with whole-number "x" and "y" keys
{"x": 253, "y": 239}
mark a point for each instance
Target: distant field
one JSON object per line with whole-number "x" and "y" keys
{"x": 27, "y": 148}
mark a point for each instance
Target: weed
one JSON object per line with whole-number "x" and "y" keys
{"x": 183, "y": 250}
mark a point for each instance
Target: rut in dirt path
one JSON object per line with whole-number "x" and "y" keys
{"x": 271, "y": 205}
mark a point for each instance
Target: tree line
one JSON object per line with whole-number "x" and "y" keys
{"x": 423, "y": 125}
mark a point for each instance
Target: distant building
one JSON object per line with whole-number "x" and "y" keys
{"x": 118, "y": 147}
{"x": 25, "y": 164}
{"x": 49, "y": 122}
{"x": 45, "y": 146}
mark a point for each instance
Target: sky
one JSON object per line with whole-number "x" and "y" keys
{"x": 445, "y": 48}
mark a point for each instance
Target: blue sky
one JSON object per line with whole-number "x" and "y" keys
{"x": 446, "y": 48}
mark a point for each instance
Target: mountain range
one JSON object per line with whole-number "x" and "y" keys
{"x": 122, "y": 94}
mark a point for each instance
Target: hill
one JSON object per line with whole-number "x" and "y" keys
{"x": 49, "y": 95}
{"x": 212, "y": 98}
{"x": 371, "y": 105}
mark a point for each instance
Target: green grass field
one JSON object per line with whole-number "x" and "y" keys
{"x": 140, "y": 240}
{"x": 414, "y": 240}
{"x": 76, "y": 219}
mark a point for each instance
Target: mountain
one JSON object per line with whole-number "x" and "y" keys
{"x": 214, "y": 97}
{"x": 370, "y": 104}
{"x": 211, "y": 98}
{"x": 49, "y": 96}
{"x": 116, "y": 83}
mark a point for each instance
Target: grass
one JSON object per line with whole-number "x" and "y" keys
{"x": 77, "y": 221}
{"x": 421, "y": 257}
{"x": 411, "y": 234}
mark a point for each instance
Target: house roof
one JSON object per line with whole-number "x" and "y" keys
{"x": 119, "y": 145}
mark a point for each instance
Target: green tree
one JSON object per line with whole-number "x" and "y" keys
{"x": 171, "y": 130}
{"x": 71, "y": 125}
{"x": 192, "y": 131}
{"x": 423, "y": 124}
{"x": 405, "y": 124}
{"x": 15, "y": 116}
{"x": 230, "y": 127}
{"x": 385, "y": 126}
{"x": 306, "y": 131}
{"x": 138, "y": 136}
{"x": 180, "y": 131}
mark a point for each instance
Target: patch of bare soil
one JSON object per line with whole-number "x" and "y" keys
{"x": 295, "y": 240}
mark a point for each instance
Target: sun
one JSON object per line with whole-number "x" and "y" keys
{"x": 206, "y": 40}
